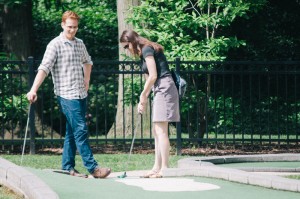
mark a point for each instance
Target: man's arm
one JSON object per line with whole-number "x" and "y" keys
{"x": 87, "y": 68}
{"x": 31, "y": 95}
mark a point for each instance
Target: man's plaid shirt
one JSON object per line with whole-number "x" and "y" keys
{"x": 65, "y": 60}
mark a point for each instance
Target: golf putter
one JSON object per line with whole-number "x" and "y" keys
{"x": 124, "y": 175}
{"x": 24, "y": 143}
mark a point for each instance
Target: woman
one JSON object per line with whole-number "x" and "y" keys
{"x": 166, "y": 101}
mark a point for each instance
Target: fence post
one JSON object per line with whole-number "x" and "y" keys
{"x": 178, "y": 124}
{"x": 30, "y": 63}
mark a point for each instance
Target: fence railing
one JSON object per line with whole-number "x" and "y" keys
{"x": 229, "y": 103}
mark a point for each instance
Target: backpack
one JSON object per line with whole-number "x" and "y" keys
{"x": 179, "y": 82}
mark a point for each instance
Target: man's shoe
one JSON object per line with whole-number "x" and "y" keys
{"x": 101, "y": 172}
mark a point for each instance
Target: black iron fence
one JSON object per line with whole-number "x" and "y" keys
{"x": 229, "y": 103}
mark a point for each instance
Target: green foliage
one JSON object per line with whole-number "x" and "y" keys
{"x": 97, "y": 28}
{"x": 271, "y": 33}
{"x": 14, "y": 106}
{"x": 11, "y": 3}
{"x": 192, "y": 30}
{"x": 230, "y": 115}
{"x": 7, "y": 56}
{"x": 132, "y": 90}
{"x": 102, "y": 102}
{"x": 13, "y": 103}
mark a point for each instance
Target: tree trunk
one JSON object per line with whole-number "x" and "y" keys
{"x": 17, "y": 28}
{"x": 126, "y": 115}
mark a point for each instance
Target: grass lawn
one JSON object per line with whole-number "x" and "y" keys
{"x": 297, "y": 177}
{"x": 118, "y": 162}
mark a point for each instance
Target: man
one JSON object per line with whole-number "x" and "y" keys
{"x": 68, "y": 61}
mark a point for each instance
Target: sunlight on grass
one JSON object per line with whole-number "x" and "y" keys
{"x": 297, "y": 177}
{"x": 118, "y": 162}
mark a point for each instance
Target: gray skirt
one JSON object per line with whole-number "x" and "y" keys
{"x": 165, "y": 107}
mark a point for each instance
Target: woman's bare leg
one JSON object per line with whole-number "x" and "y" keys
{"x": 157, "y": 163}
{"x": 161, "y": 131}
{"x": 162, "y": 148}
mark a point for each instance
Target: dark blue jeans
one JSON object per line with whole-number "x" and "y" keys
{"x": 76, "y": 134}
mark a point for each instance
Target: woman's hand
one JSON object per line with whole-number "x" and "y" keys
{"x": 150, "y": 80}
{"x": 141, "y": 108}
{"x": 142, "y": 104}
{"x": 143, "y": 98}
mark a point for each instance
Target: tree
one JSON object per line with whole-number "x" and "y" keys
{"x": 193, "y": 30}
{"x": 270, "y": 34}
{"x": 124, "y": 114}
{"x": 17, "y": 35}
{"x": 98, "y": 29}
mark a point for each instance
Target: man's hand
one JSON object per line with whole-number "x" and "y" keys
{"x": 31, "y": 96}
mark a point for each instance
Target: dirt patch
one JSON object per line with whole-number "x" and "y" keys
{"x": 7, "y": 193}
{"x": 192, "y": 150}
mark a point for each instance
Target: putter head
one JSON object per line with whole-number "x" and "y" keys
{"x": 123, "y": 176}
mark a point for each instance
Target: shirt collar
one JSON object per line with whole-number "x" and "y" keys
{"x": 65, "y": 40}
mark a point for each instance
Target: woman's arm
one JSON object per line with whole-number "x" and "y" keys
{"x": 150, "y": 80}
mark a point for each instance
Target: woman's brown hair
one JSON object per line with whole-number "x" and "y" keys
{"x": 137, "y": 41}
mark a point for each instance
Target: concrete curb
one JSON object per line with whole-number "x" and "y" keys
{"x": 207, "y": 167}
{"x": 23, "y": 182}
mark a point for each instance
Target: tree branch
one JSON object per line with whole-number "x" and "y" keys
{"x": 215, "y": 25}
{"x": 194, "y": 8}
